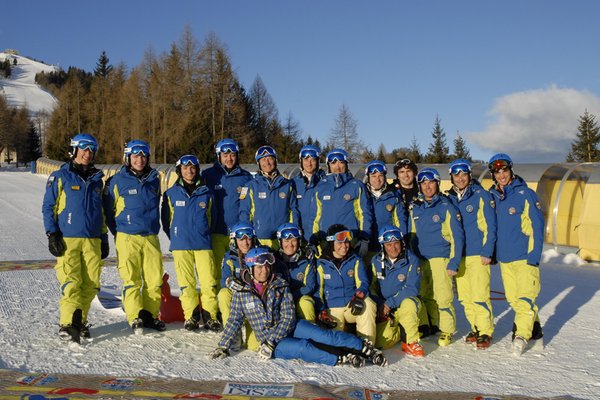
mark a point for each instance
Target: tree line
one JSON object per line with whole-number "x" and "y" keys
{"x": 18, "y": 134}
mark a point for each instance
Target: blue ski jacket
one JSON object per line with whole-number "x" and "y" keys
{"x": 395, "y": 281}
{"x": 131, "y": 204}
{"x": 187, "y": 219}
{"x": 230, "y": 267}
{"x": 72, "y": 205}
{"x": 342, "y": 199}
{"x": 336, "y": 286}
{"x": 266, "y": 204}
{"x": 437, "y": 231}
{"x": 300, "y": 274}
{"x": 388, "y": 209}
{"x": 520, "y": 223}
{"x": 307, "y": 205}
{"x": 226, "y": 188}
{"x": 476, "y": 207}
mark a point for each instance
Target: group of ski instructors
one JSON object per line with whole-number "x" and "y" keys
{"x": 322, "y": 266}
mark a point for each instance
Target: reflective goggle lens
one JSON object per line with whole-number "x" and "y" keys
{"x": 87, "y": 145}
{"x": 140, "y": 149}
{"x": 458, "y": 168}
{"x": 499, "y": 164}
{"x": 188, "y": 160}
{"x": 426, "y": 176}
{"x": 336, "y": 157}
{"x": 246, "y": 232}
{"x": 290, "y": 233}
{"x": 228, "y": 148}
{"x": 261, "y": 259}
{"x": 340, "y": 237}
{"x": 390, "y": 236}
{"x": 371, "y": 169}
{"x": 309, "y": 153}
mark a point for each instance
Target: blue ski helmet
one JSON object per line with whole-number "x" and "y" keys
{"x": 83, "y": 141}
{"x": 135, "y": 147}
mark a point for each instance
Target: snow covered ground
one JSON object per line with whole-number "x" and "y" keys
{"x": 568, "y": 366}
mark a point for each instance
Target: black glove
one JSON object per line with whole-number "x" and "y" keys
{"x": 357, "y": 303}
{"x": 234, "y": 283}
{"x": 104, "y": 249}
{"x": 56, "y": 244}
{"x": 326, "y": 321}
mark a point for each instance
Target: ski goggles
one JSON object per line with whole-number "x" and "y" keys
{"x": 499, "y": 165}
{"x": 340, "y": 237}
{"x": 309, "y": 153}
{"x": 243, "y": 233}
{"x": 460, "y": 168}
{"x": 390, "y": 236}
{"x": 334, "y": 157}
{"x": 188, "y": 160}
{"x": 374, "y": 168}
{"x": 138, "y": 149}
{"x": 427, "y": 176}
{"x": 87, "y": 145}
{"x": 228, "y": 148}
{"x": 405, "y": 163}
{"x": 261, "y": 259}
{"x": 289, "y": 233}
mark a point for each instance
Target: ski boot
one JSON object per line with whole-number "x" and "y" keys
{"x": 372, "y": 353}
{"x": 351, "y": 359}
{"x": 151, "y": 322}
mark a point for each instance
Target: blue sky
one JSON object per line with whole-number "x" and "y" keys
{"x": 510, "y": 76}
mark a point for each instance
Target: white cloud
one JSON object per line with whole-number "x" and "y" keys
{"x": 535, "y": 125}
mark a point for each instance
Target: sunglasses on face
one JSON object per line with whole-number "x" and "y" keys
{"x": 460, "y": 168}
{"x": 188, "y": 160}
{"x": 309, "y": 153}
{"x": 340, "y": 237}
{"x": 289, "y": 233}
{"x": 261, "y": 259}
{"x": 228, "y": 148}
{"x": 427, "y": 176}
{"x": 87, "y": 145}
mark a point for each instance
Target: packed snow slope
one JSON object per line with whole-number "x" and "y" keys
{"x": 20, "y": 89}
{"x": 568, "y": 366}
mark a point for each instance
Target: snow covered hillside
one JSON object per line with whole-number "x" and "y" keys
{"x": 568, "y": 366}
{"x": 20, "y": 89}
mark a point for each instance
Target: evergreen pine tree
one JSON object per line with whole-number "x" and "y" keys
{"x": 586, "y": 145}
{"x": 103, "y": 67}
{"x": 460, "y": 148}
{"x": 414, "y": 152}
{"x": 438, "y": 150}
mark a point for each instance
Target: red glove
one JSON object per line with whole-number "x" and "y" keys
{"x": 326, "y": 321}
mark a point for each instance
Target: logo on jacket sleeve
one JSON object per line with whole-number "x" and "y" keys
{"x": 243, "y": 192}
{"x": 300, "y": 276}
{"x": 469, "y": 208}
{"x": 282, "y": 195}
{"x": 512, "y": 211}
{"x": 347, "y": 197}
{"x": 202, "y": 204}
{"x": 389, "y": 207}
{"x": 435, "y": 218}
{"x": 401, "y": 278}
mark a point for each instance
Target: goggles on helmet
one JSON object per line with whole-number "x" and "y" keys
{"x": 373, "y": 168}
{"x": 458, "y": 168}
{"x": 261, "y": 259}
{"x": 188, "y": 160}
{"x": 498, "y": 165}
{"x": 228, "y": 148}
{"x": 242, "y": 233}
{"x": 138, "y": 149}
{"x": 289, "y": 233}
{"x": 86, "y": 145}
{"x": 390, "y": 236}
{"x": 309, "y": 153}
{"x": 333, "y": 157}
{"x": 427, "y": 176}
{"x": 340, "y": 237}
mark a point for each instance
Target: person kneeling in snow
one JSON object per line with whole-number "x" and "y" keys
{"x": 266, "y": 302}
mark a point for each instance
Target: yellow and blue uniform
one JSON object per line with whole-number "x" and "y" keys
{"x": 266, "y": 204}
{"x": 342, "y": 199}
{"x": 226, "y": 187}
{"x": 437, "y": 237}
{"x": 187, "y": 221}
{"x": 397, "y": 285}
{"x": 337, "y": 282}
{"x": 519, "y": 249}
{"x": 476, "y": 207}
{"x": 388, "y": 209}
{"x": 300, "y": 273}
{"x": 73, "y": 207}
{"x": 307, "y": 206}
{"x": 131, "y": 206}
